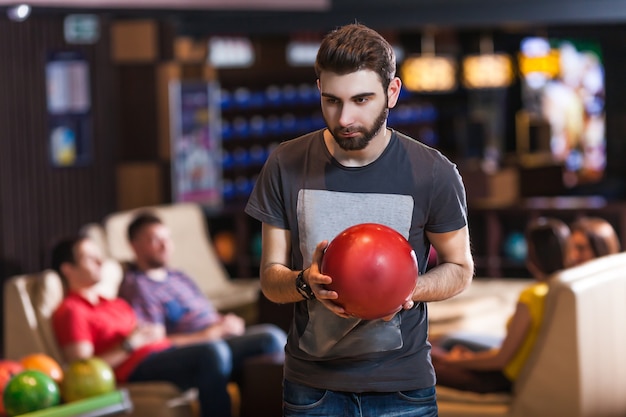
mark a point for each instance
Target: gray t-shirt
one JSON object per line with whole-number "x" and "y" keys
{"x": 411, "y": 188}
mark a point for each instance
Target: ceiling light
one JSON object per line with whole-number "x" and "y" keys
{"x": 19, "y": 13}
{"x": 487, "y": 69}
{"x": 428, "y": 72}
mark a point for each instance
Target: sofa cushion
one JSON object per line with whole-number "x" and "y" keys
{"x": 484, "y": 307}
{"x": 455, "y": 395}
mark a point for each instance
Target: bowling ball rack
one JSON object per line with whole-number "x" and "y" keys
{"x": 109, "y": 404}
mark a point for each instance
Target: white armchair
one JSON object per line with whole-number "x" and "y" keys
{"x": 193, "y": 253}
{"x": 577, "y": 366}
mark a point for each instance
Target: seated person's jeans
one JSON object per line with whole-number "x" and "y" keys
{"x": 210, "y": 366}
{"x": 301, "y": 401}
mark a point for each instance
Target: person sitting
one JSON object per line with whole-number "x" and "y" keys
{"x": 162, "y": 295}
{"x": 494, "y": 369}
{"x": 592, "y": 237}
{"x": 86, "y": 324}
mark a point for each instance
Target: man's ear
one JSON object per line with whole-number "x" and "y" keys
{"x": 393, "y": 92}
{"x": 65, "y": 268}
{"x": 133, "y": 245}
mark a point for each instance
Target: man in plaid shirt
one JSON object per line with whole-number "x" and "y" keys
{"x": 162, "y": 295}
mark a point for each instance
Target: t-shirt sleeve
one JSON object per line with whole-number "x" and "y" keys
{"x": 70, "y": 326}
{"x": 449, "y": 206}
{"x": 266, "y": 200}
{"x": 143, "y": 302}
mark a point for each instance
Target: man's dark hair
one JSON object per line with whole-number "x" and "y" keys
{"x": 140, "y": 221}
{"x": 546, "y": 241}
{"x": 600, "y": 234}
{"x": 63, "y": 251}
{"x": 353, "y": 48}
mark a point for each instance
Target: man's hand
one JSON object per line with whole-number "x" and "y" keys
{"x": 317, "y": 281}
{"x": 146, "y": 334}
{"x": 229, "y": 325}
{"x": 232, "y": 325}
{"x": 408, "y": 304}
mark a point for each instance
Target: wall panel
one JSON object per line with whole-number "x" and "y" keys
{"x": 38, "y": 202}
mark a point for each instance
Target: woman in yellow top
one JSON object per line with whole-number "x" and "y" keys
{"x": 496, "y": 369}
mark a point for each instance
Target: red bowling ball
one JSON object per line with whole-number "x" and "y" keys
{"x": 8, "y": 369}
{"x": 374, "y": 270}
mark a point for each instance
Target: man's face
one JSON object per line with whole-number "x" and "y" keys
{"x": 579, "y": 249}
{"x": 86, "y": 269}
{"x": 153, "y": 246}
{"x": 355, "y": 107}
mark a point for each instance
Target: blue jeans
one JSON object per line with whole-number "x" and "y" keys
{"x": 210, "y": 366}
{"x": 300, "y": 401}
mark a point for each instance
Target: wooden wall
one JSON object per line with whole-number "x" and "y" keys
{"x": 38, "y": 202}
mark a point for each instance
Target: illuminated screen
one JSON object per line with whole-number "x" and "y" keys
{"x": 563, "y": 85}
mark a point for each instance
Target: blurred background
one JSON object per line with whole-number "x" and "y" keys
{"x": 107, "y": 106}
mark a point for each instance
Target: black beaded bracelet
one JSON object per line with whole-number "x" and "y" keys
{"x": 303, "y": 288}
{"x": 127, "y": 346}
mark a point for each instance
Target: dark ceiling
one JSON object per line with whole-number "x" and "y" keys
{"x": 415, "y": 14}
{"x": 389, "y": 15}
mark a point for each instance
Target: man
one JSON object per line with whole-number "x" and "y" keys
{"x": 356, "y": 171}
{"x": 591, "y": 238}
{"x": 86, "y": 324}
{"x": 162, "y": 295}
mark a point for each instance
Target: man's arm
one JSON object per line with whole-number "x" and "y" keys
{"x": 277, "y": 278}
{"x": 84, "y": 350}
{"x": 278, "y": 281}
{"x": 116, "y": 355}
{"x": 229, "y": 325}
{"x": 453, "y": 274}
{"x": 455, "y": 270}
{"x": 496, "y": 359}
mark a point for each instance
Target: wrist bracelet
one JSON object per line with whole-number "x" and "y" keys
{"x": 303, "y": 288}
{"x": 127, "y": 346}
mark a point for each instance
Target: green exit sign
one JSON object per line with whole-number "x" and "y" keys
{"x": 81, "y": 28}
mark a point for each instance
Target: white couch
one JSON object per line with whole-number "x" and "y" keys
{"x": 578, "y": 366}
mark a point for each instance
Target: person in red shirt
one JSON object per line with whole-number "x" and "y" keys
{"x": 87, "y": 324}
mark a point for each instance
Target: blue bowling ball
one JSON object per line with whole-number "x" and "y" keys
{"x": 515, "y": 248}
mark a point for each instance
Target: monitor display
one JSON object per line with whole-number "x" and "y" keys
{"x": 563, "y": 86}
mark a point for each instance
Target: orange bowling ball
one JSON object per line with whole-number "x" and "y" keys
{"x": 225, "y": 246}
{"x": 44, "y": 363}
{"x": 373, "y": 268}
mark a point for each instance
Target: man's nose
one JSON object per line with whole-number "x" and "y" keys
{"x": 347, "y": 116}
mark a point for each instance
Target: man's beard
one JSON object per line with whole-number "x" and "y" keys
{"x": 154, "y": 263}
{"x": 360, "y": 142}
